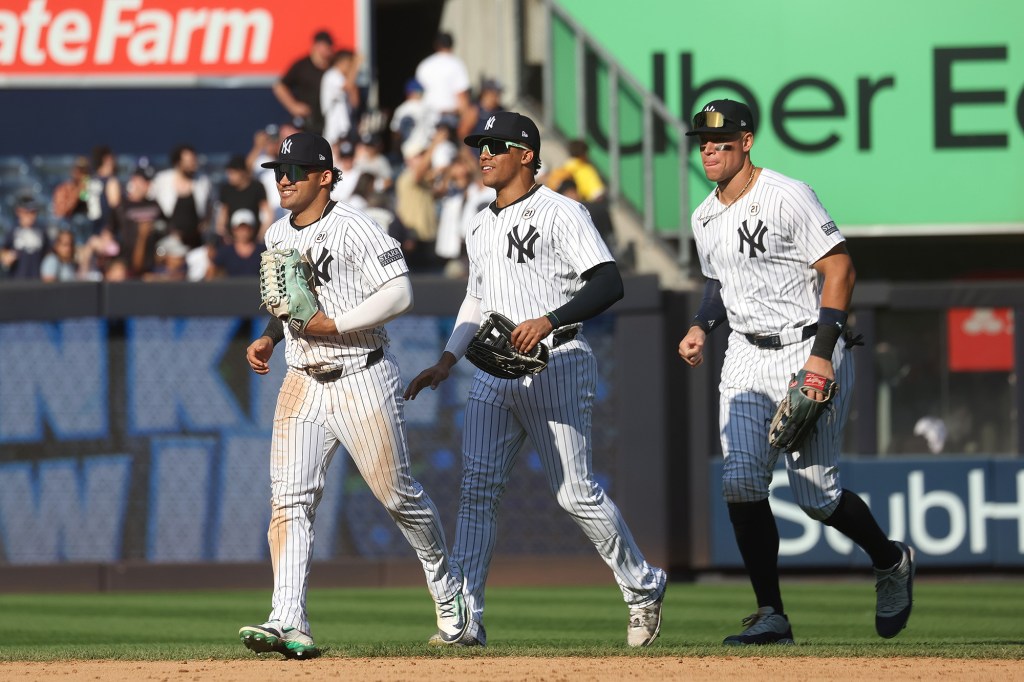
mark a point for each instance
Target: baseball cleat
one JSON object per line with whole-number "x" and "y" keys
{"x": 894, "y": 594}
{"x": 763, "y": 627}
{"x": 475, "y": 635}
{"x": 277, "y": 637}
{"x": 644, "y": 623}
{"x": 452, "y": 620}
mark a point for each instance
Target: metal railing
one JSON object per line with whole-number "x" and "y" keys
{"x": 658, "y": 127}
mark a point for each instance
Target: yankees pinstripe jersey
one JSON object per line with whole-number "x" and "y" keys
{"x": 351, "y": 257}
{"x": 526, "y": 258}
{"x": 761, "y": 248}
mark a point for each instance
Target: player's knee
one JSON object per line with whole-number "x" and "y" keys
{"x": 574, "y": 498}
{"x": 819, "y": 511}
{"x": 736, "y": 489}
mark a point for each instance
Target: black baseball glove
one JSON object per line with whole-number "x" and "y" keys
{"x": 492, "y": 351}
{"x": 797, "y": 414}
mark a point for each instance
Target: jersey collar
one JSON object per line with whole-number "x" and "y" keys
{"x": 494, "y": 204}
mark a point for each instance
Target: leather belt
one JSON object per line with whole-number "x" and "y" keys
{"x": 558, "y": 338}
{"x": 335, "y": 373}
{"x": 783, "y": 338}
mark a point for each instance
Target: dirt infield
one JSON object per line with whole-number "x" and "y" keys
{"x": 524, "y": 669}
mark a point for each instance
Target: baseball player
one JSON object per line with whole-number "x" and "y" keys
{"x": 778, "y": 269}
{"x": 536, "y": 256}
{"x": 342, "y": 388}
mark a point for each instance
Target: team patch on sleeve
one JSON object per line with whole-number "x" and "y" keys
{"x": 390, "y": 257}
{"x": 829, "y": 228}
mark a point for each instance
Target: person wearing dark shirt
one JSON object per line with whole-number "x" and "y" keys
{"x": 298, "y": 90}
{"x": 140, "y": 223}
{"x": 240, "y": 258}
{"x": 241, "y": 191}
{"x": 27, "y": 243}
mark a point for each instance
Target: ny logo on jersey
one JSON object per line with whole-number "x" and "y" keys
{"x": 523, "y": 244}
{"x": 753, "y": 239}
{"x": 320, "y": 266}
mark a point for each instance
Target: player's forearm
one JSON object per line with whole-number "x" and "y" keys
{"x": 393, "y": 299}
{"x": 466, "y": 324}
{"x": 712, "y": 308}
{"x": 274, "y": 330}
{"x": 602, "y": 288}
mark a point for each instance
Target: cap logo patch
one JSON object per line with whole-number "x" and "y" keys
{"x": 524, "y": 133}
{"x": 286, "y": 147}
{"x": 322, "y": 157}
{"x": 489, "y": 124}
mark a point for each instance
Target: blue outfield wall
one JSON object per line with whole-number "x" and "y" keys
{"x": 956, "y": 512}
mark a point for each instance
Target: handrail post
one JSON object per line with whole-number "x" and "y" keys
{"x": 614, "y": 152}
{"x": 648, "y": 152}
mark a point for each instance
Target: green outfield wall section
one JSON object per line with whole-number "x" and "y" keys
{"x": 899, "y": 114}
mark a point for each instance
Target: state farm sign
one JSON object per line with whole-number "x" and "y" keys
{"x": 165, "y": 37}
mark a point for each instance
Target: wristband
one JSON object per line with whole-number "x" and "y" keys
{"x": 553, "y": 319}
{"x": 831, "y": 322}
{"x": 274, "y": 330}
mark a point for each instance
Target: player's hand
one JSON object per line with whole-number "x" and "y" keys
{"x": 691, "y": 348}
{"x": 258, "y": 354}
{"x": 527, "y": 334}
{"x": 431, "y": 376}
{"x": 819, "y": 366}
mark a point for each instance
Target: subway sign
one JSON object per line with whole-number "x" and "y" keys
{"x": 965, "y": 511}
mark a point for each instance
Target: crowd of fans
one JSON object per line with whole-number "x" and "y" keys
{"x": 203, "y": 216}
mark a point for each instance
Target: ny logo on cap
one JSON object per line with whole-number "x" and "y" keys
{"x": 489, "y": 124}
{"x": 286, "y": 147}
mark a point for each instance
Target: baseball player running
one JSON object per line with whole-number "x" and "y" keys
{"x": 536, "y": 257}
{"x": 778, "y": 269}
{"x": 342, "y": 388}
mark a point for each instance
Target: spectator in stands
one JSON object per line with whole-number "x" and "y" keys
{"x": 414, "y": 203}
{"x": 412, "y": 118}
{"x": 345, "y": 160}
{"x": 140, "y": 223}
{"x": 361, "y": 194}
{"x": 339, "y": 95}
{"x": 370, "y": 160}
{"x": 450, "y": 235}
{"x": 117, "y": 271}
{"x": 298, "y": 90}
{"x": 581, "y": 171}
{"x": 265, "y": 145}
{"x": 445, "y": 83}
{"x": 25, "y": 246}
{"x": 98, "y": 250}
{"x": 184, "y": 196}
{"x": 445, "y": 148}
{"x": 241, "y": 257}
{"x": 70, "y": 198}
{"x": 60, "y": 265}
{"x": 170, "y": 261}
{"x": 104, "y": 188}
{"x": 487, "y": 104}
{"x": 241, "y": 191}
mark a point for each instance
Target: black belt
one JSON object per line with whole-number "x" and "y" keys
{"x": 774, "y": 341}
{"x": 326, "y": 376}
{"x": 564, "y": 337}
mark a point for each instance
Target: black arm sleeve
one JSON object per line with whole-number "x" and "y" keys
{"x": 602, "y": 288}
{"x": 274, "y": 330}
{"x": 712, "y": 309}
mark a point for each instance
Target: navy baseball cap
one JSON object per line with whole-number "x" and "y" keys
{"x": 723, "y": 116}
{"x": 511, "y": 127}
{"x": 303, "y": 149}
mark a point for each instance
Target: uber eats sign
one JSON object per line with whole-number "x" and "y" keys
{"x": 897, "y": 113}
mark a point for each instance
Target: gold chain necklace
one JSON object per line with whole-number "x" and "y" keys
{"x": 718, "y": 193}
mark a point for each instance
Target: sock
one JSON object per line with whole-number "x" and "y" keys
{"x": 853, "y": 519}
{"x": 757, "y": 537}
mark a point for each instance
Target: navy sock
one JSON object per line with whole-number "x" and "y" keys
{"x": 757, "y": 537}
{"x": 853, "y": 519}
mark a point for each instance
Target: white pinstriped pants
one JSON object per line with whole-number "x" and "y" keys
{"x": 555, "y": 412}
{"x": 754, "y": 381}
{"x": 361, "y": 412}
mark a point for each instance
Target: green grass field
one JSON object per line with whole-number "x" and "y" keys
{"x": 959, "y": 619}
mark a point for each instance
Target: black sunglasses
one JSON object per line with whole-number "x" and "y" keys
{"x": 495, "y": 147}
{"x": 293, "y": 172}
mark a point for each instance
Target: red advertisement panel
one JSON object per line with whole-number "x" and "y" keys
{"x": 980, "y": 339}
{"x": 163, "y": 38}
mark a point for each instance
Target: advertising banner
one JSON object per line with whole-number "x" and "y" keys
{"x": 47, "y": 42}
{"x": 905, "y": 117}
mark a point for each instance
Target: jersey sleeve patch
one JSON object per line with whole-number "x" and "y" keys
{"x": 829, "y": 228}
{"x": 389, "y": 257}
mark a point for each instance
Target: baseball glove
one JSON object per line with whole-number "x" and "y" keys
{"x": 286, "y": 287}
{"x": 492, "y": 351}
{"x": 797, "y": 414}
